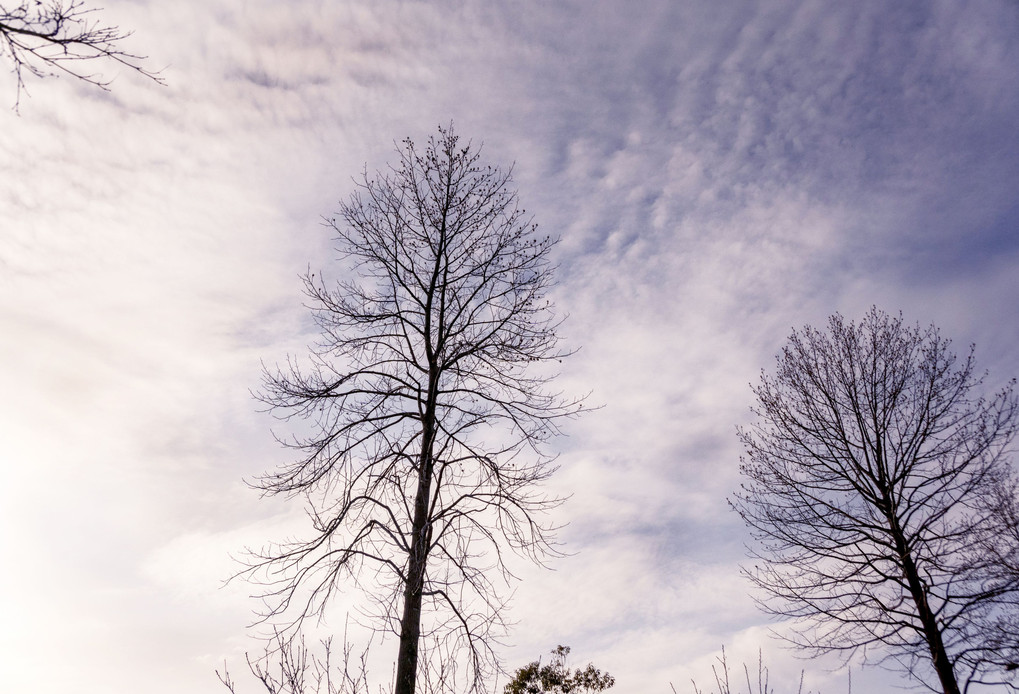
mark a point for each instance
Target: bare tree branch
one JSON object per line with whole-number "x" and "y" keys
{"x": 44, "y": 38}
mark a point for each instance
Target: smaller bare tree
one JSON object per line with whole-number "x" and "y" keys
{"x": 878, "y": 485}
{"x": 52, "y": 37}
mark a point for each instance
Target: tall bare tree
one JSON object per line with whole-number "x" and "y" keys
{"x": 42, "y": 37}
{"x": 875, "y": 480}
{"x": 426, "y": 411}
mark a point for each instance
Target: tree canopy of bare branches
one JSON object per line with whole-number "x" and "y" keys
{"x": 426, "y": 410}
{"x": 48, "y": 37}
{"x": 877, "y": 484}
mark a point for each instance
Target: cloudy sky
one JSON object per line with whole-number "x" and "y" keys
{"x": 718, "y": 171}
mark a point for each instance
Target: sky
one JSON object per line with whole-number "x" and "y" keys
{"x": 719, "y": 173}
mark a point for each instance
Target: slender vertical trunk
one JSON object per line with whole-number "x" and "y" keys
{"x": 931, "y": 631}
{"x": 410, "y": 623}
{"x": 917, "y": 589}
{"x": 421, "y": 532}
{"x": 421, "y": 537}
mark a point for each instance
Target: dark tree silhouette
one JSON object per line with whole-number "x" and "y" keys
{"x": 45, "y": 37}
{"x": 875, "y": 484}
{"x": 426, "y": 412}
{"x": 556, "y": 678}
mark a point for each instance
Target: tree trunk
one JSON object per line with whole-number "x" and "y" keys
{"x": 932, "y": 633}
{"x": 939, "y": 655}
{"x": 421, "y": 537}
{"x": 421, "y": 532}
{"x": 410, "y": 623}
